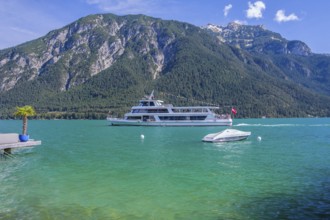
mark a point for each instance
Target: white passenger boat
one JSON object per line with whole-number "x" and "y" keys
{"x": 227, "y": 135}
{"x": 153, "y": 112}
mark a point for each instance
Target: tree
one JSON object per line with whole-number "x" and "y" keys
{"x": 24, "y": 112}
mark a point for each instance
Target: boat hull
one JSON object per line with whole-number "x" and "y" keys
{"x": 227, "y": 139}
{"x": 227, "y": 136}
{"x": 122, "y": 122}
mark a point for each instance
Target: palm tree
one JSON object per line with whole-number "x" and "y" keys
{"x": 24, "y": 112}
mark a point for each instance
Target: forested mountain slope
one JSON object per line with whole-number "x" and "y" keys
{"x": 105, "y": 62}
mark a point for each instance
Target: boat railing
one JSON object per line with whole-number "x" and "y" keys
{"x": 167, "y": 105}
{"x": 113, "y": 118}
{"x": 223, "y": 116}
{"x": 194, "y": 109}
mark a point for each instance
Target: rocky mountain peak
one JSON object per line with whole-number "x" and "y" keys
{"x": 85, "y": 48}
{"x": 256, "y": 38}
{"x": 213, "y": 28}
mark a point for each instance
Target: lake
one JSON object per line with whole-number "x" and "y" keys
{"x": 90, "y": 170}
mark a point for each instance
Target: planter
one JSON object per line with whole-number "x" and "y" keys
{"x": 23, "y": 137}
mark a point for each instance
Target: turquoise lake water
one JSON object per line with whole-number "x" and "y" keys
{"x": 89, "y": 170}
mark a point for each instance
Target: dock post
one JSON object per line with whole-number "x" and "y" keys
{"x": 7, "y": 150}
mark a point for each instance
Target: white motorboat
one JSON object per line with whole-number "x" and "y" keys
{"x": 153, "y": 112}
{"x": 227, "y": 135}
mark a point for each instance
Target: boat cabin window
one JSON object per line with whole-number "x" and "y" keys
{"x": 147, "y": 103}
{"x": 150, "y": 103}
{"x": 179, "y": 110}
{"x": 197, "y": 117}
{"x": 140, "y": 110}
{"x": 143, "y": 104}
{"x": 148, "y": 118}
{"x": 151, "y": 110}
{"x": 158, "y": 110}
{"x": 134, "y": 118}
{"x": 182, "y": 118}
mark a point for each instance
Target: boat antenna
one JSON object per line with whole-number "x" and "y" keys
{"x": 151, "y": 96}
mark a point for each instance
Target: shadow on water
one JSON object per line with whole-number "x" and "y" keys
{"x": 312, "y": 202}
{"x": 16, "y": 153}
{"x": 40, "y": 212}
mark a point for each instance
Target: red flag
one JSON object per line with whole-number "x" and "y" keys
{"x": 234, "y": 111}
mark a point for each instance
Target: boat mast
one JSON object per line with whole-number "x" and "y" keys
{"x": 151, "y": 96}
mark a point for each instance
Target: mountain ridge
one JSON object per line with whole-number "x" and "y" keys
{"x": 291, "y": 57}
{"x": 248, "y": 37}
{"x": 103, "y": 62}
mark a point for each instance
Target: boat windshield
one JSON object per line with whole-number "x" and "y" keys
{"x": 150, "y": 103}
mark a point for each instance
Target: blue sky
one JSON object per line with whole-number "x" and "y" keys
{"x": 305, "y": 20}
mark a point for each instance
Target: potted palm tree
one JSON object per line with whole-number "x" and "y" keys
{"x": 24, "y": 112}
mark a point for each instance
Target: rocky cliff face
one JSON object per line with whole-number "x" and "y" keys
{"x": 84, "y": 49}
{"x": 92, "y": 44}
{"x": 258, "y": 39}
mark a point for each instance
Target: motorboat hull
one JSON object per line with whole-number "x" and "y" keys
{"x": 227, "y": 136}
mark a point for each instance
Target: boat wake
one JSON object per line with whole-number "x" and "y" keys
{"x": 280, "y": 125}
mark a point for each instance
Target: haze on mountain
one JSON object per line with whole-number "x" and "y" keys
{"x": 105, "y": 62}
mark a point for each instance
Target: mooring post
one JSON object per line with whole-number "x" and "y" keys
{"x": 7, "y": 150}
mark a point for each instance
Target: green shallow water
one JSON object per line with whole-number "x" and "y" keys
{"x": 89, "y": 170}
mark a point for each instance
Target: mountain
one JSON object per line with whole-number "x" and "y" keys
{"x": 105, "y": 62}
{"x": 294, "y": 59}
{"x": 257, "y": 39}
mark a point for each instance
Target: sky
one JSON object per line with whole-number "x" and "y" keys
{"x": 305, "y": 20}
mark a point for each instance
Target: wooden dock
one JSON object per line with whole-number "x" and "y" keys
{"x": 7, "y": 147}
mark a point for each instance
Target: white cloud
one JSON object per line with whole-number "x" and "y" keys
{"x": 227, "y": 9}
{"x": 255, "y": 9}
{"x": 281, "y": 17}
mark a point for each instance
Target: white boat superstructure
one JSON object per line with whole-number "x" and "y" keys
{"x": 227, "y": 135}
{"x": 153, "y": 112}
